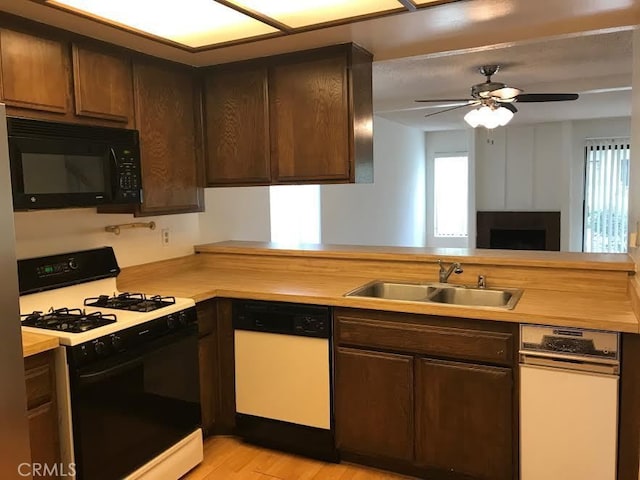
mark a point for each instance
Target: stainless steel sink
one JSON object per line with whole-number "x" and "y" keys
{"x": 442, "y": 293}
{"x": 476, "y": 297}
{"x": 414, "y": 292}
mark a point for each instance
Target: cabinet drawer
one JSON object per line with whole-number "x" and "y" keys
{"x": 461, "y": 343}
{"x": 38, "y": 381}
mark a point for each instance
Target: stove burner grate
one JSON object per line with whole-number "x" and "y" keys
{"x": 136, "y": 302}
{"x": 72, "y": 320}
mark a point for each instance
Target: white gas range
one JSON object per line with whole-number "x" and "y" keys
{"x": 127, "y": 376}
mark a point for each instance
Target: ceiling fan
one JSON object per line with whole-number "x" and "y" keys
{"x": 495, "y": 101}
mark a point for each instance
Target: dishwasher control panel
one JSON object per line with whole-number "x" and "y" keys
{"x": 282, "y": 318}
{"x": 569, "y": 341}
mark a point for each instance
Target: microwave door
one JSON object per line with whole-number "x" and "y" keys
{"x": 59, "y": 174}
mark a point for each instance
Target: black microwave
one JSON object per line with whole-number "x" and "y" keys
{"x": 62, "y": 165}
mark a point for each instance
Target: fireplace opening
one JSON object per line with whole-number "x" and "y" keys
{"x": 528, "y": 239}
{"x": 518, "y": 230}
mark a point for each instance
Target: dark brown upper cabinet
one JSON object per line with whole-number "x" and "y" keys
{"x": 103, "y": 85}
{"x": 304, "y": 117}
{"x": 237, "y": 126}
{"x": 35, "y": 72}
{"x": 169, "y": 118}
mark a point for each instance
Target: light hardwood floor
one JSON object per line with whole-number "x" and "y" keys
{"x": 227, "y": 458}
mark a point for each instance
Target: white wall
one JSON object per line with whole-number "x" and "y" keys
{"x": 539, "y": 168}
{"x": 391, "y": 211}
{"x": 47, "y": 232}
{"x": 235, "y": 213}
{"x": 448, "y": 142}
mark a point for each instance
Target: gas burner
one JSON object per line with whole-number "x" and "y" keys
{"x": 136, "y": 302}
{"x": 72, "y": 320}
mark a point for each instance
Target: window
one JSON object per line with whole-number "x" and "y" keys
{"x": 295, "y": 214}
{"x": 606, "y": 195}
{"x": 451, "y": 195}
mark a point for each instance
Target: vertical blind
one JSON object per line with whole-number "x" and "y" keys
{"x": 606, "y": 195}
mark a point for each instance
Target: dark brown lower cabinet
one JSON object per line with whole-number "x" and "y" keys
{"x": 374, "y": 403}
{"x": 427, "y": 396}
{"x": 464, "y": 418}
{"x": 42, "y": 411}
{"x": 208, "y": 381}
{"x": 208, "y": 363}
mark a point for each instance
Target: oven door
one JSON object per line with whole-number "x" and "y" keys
{"x": 129, "y": 409}
{"x": 59, "y": 173}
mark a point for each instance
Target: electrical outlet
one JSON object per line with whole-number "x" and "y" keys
{"x": 165, "y": 237}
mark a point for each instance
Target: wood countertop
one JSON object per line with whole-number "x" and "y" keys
{"x": 573, "y": 260}
{"x": 34, "y": 343}
{"x": 201, "y": 279}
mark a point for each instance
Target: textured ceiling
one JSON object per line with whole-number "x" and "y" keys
{"x": 599, "y": 67}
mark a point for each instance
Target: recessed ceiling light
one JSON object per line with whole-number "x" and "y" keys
{"x": 194, "y": 23}
{"x": 303, "y": 13}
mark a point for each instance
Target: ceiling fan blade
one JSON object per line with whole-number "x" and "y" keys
{"x": 509, "y": 106}
{"x": 546, "y": 97}
{"x": 452, "y": 108}
{"x": 446, "y": 100}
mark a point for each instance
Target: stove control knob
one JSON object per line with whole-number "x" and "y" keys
{"x": 73, "y": 265}
{"x": 171, "y": 321}
{"x": 99, "y": 347}
{"x": 182, "y": 317}
{"x": 116, "y": 341}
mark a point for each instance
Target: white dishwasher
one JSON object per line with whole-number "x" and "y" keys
{"x": 568, "y": 403}
{"x": 283, "y": 376}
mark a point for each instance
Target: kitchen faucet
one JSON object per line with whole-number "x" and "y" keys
{"x": 446, "y": 273}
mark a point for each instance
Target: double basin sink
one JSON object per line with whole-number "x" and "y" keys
{"x": 442, "y": 293}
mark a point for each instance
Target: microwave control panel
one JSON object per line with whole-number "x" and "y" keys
{"x": 128, "y": 174}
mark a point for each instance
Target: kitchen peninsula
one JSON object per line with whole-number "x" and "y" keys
{"x": 401, "y": 352}
{"x": 394, "y": 350}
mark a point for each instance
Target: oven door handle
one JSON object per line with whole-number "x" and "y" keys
{"x": 94, "y": 377}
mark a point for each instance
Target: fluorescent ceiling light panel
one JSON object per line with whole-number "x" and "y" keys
{"x": 303, "y": 13}
{"x": 194, "y": 23}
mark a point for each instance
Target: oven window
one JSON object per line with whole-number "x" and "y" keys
{"x": 54, "y": 173}
{"x": 128, "y": 411}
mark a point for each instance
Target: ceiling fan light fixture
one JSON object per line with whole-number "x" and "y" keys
{"x": 504, "y": 116}
{"x": 473, "y": 118}
{"x": 506, "y": 94}
{"x": 488, "y": 117}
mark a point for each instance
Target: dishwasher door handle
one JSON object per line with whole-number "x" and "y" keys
{"x": 575, "y": 363}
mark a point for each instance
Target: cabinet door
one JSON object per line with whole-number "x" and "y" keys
{"x": 208, "y": 356}
{"x": 43, "y": 435}
{"x": 207, "y": 347}
{"x": 374, "y": 403}
{"x": 237, "y": 119}
{"x": 309, "y": 113}
{"x": 42, "y": 412}
{"x": 464, "y": 419}
{"x": 35, "y": 72}
{"x": 103, "y": 85}
{"x": 168, "y": 117}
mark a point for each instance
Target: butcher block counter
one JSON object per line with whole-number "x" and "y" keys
{"x": 34, "y": 343}
{"x": 565, "y": 289}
